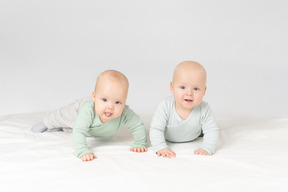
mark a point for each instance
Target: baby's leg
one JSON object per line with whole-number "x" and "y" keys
{"x": 40, "y": 127}
{"x": 65, "y": 116}
{"x": 55, "y": 129}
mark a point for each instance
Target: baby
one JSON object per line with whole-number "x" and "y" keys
{"x": 183, "y": 116}
{"x": 100, "y": 116}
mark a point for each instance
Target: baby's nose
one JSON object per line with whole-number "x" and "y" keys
{"x": 189, "y": 92}
{"x": 111, "y": 106}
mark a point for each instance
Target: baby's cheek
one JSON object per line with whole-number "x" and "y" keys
{"x": 117, "y": 113}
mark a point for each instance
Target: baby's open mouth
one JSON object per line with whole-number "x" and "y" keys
{"x": 108, "y": 114}
{"x": 188, "y": 100}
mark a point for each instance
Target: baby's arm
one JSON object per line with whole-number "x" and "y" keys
{"x": 167, "y": 152}
{"x": 80, "y": 145}
{"x": 135, "y": 124}
{"x": 210, "y": 130}
{"x": 80, "y": 130}
{"x": 157, "y": 129}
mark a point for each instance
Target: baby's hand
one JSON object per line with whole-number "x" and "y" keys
{"x": 139, "y": 149}
{"x": 201, "y": 152}
{"x": 167, "y": 152}
{"x": 88, "y": 157}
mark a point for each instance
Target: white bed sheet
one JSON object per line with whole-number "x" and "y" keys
{"x": 252, "y": 156}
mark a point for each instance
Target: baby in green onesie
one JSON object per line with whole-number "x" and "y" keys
{"x": 101, "y": 115}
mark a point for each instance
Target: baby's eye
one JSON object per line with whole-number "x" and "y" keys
{"x": 182, "y": 87}
{"x": 196, "y": 89}
{"x": 118, "y": 102}
{"x": 104, "y": 100}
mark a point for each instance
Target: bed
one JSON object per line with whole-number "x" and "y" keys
{"x": 252, "y": 155}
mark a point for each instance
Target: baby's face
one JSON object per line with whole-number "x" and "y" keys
{"x": 110, "y": 99}
{"x": 188, "y": 88}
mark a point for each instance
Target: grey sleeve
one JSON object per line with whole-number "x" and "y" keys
{"x": 210, "y": 130}
{"x": 157, "y": 128}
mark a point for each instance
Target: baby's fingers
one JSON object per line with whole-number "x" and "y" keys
{"x": 167, "y": 154}
{"x": 171, "y": 154}
{"x": 139, "y": 149}
{"x": 201, "y": 152}
{"x": 143, "y": 149}
{"x": 88, "y": 157}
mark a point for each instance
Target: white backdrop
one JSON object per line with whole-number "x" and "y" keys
{"x": 52, "y": 51}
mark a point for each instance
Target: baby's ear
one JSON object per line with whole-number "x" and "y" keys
{"x": 93, "y": 95}
{"x": 171, "y": 86}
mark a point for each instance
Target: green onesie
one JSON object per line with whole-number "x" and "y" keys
{"x": 88, "y": 123}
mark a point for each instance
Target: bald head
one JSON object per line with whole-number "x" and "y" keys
{"x": 191, "y": 67}
{"x": 114, "y": 77}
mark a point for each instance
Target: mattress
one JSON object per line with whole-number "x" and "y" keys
{"x": 252, "y": 155}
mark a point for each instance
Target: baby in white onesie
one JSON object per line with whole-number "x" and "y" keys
{"x": 183, "y": 116}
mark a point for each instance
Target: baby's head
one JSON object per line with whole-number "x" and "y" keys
{"x": 110, "y": 95}
{"x": 188, "y": 85}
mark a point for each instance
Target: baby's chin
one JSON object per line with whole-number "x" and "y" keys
{"x": 188, "y": 106}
